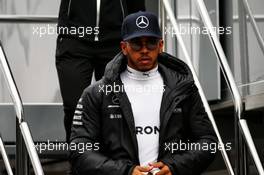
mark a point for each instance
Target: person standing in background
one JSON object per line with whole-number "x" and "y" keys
{"x": 88, "y": 36}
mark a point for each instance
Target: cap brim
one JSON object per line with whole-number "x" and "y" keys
{"x": 136, "y": 35}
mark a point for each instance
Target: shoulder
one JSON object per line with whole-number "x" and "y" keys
{"x": 94, "y": 92}
{"x": 174, "y": 64}
{"x": 174, "y": 70}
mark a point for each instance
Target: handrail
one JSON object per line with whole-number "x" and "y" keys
{"x": 254, "y": 24}
{"x": 20, "y": 114}
{"x": 231, "y": 84}
{"x": 5, "y": 157}
{"x": 256, "y": 18}
{"x": 28, "y": 18}
{"x": 12, "y": 86}
{"x": 163, "y": 22}
{"x": 195, "y": 77}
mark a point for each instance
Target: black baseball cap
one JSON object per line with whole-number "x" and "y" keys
{"x": 140, "y": 24}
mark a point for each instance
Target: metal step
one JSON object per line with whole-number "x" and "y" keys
{"x": 252, "y": 102}
{"x": 46, "y": 124}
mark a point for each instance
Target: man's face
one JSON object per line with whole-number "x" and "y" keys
{"x": 142, "y": 52}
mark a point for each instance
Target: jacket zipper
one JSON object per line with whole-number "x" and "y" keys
{"x": 122, "y": 8}
{"x": 69, "y": 8}
{"x": 119, "y": 82}
{"x": 98, "y": 4}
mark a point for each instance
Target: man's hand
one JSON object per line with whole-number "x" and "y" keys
{"x": 141, "y": 170}
{"x": 164, "y": 169}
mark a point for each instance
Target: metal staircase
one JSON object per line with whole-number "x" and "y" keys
{"x": 243, "y": 136}
{"x": 24, "y": 142}
{"x": 243, "y": 140}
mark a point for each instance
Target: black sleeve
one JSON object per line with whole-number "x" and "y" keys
{"x": 200, "y": 132}
{"x": 86, "y": 131}
{"x": 135, "y": 6}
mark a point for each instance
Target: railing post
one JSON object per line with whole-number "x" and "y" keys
{"x": 24, "y": 141}
{"x": 5, "y": 157}
{"x": 195, "y": 77}
{"x": 241, "y": 151}
{"x": 243, "y": 42}
{"x": 241, "y": 162}
{"x": 243, "y": 126}
{"x": 163, "y": 22}
{"x": 245, "y": 161}
{"x": 237, "y": 146}
{"x": 244, "y": 148}
{"x": 22, "y": 163}
{"x": 253, "y": 22}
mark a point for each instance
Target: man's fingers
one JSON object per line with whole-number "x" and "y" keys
{"x": 164, "y": 171}
{"x": 157, "y": 165}
{"x": 144, "y": 168}
{"x": 138, "y": 170}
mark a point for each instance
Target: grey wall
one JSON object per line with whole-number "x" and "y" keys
{"x": 152, "y": 5}
{"x": 198, "y": 44}
{"x": 255, "y": 57}
{"x": 31, "y": 57}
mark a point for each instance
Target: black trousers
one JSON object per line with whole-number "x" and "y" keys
{"x": 75, "y": 62}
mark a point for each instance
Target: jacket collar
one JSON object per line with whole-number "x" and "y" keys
{"x": 171, "y": 68}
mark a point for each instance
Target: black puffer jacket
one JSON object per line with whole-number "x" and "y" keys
{"x": 106, "y": 122}
{"x": 84, "y": 13}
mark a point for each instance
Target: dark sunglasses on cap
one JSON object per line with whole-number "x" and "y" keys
{"x": 136, "y": 44}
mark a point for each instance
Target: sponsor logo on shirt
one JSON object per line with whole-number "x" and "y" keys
{"x": 147, "y": 130}
{"x": 177, "y": 110}
{"x": 115, "y": 116}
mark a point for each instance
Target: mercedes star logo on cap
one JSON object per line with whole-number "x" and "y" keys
{"x": 142, "y": 22}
